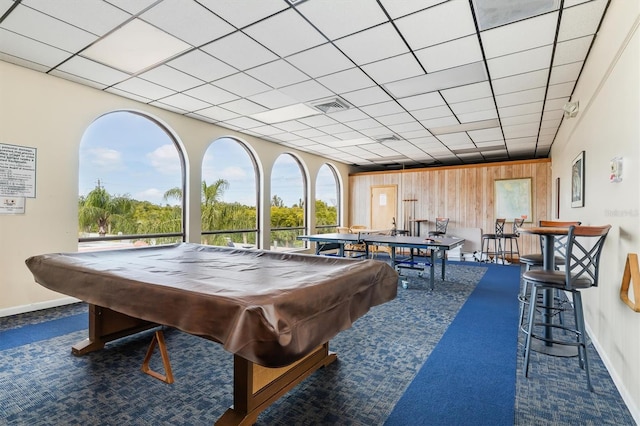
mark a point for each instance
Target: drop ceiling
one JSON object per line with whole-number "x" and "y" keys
{"x": 376, "y": 84}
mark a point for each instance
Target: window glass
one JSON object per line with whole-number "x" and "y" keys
{"x": 229, "y": 195}
{"x": 327, "y": 200}
{"x": 288, "y": 206}
{"x": 127, "y": 164}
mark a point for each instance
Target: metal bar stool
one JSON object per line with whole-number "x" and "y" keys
{"x": 488, "y": 255}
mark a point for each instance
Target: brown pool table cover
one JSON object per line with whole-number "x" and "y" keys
{"x": 268, "y": 307}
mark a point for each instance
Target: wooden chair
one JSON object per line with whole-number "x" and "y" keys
{"x": 583, "y": 247}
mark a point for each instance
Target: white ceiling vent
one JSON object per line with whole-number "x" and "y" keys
{"x": 331, "y": 105}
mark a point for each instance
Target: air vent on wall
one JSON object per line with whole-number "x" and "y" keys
{"x": 331, "y": 105}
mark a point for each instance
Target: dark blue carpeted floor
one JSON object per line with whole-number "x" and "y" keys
{"x": 470, "y": 377}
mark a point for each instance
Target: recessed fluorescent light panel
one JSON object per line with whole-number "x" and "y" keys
{"x": 494, "y": 13}
{"x": 465, "y": 127}
{"x": 134, "y": 47}
{"x": 291, "y": 112}
{"x": 445, "y": 79}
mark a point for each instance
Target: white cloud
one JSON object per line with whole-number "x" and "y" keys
{"x": 165, "y": 159}
{"x": 105, "y": 159}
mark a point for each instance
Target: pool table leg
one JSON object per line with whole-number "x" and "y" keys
{"x": 256, "y": 387}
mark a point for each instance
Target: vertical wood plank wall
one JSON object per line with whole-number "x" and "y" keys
{"x": 464, "y": 194}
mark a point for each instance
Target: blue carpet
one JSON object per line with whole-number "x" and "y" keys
{"x": 27, "y": 334}
{"x": 470, "y": 377}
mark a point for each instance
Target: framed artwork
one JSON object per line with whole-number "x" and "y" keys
{"x": 513, "y": 199}
{"x": 577, "y": 181}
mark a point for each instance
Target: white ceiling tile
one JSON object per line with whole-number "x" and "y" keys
{"x": 272, "y": 99}
{"x": 285, "y": 33}
{"x": 581, "y": 20}
{"x": 519, "y": 36}
{"x": 217, "y": 113}
{"x": 470, "y": 117}
{"x": 346, "y": 81}
{"x": 239, "y": 51}
{"x": 406, "y": 127}
{"x": 243, "y": 123}
{"x": 467, "y": 93}
{"x": 367, "y": 123}
{"x": 399, "y": 118}
{"x": 241, "y": 84}
{"x": 433, "y": 112}
{"x": 277, "y": 74}
{"x": 522, "y": 119}
{"x": 38, "y": 26}
{"x": 212, "y": 94}
{"x": 368, "y": 96}
{"x": 291, "y": 126}
{"x": 128, "y": 95}
{"x": 132, "y": 7}
{"x": 342, "y": 18}
{"x": 455, "y": 139}
{"x": 396, "y": 8}
{"x": 373, "y": 132}
{"x": 307, "y": 91}
{"x": 72, "y": 77}
{"x": 384, "y": 108}
{"x": 557, "y": 114}
{"x": 144, "y": 88}
{"x": 561, "y": 90}
{"x": 245, "y": 12}
{"x": 520, "y": 82}
{"x": 522, "y": 62}
{"x": 419, "y": 102}
{"x": 184, "y": 102}
{"x": 202, "y": 65}
{"x": 565, "y": 73}
{"x": 30, "y": 50}
{"x": 482, "y": 104}
{"x": 556, "y": 103}
{"x": 243, "y": 107}
{"x": 335, "y": 128}
{"x": 318, "y": 120}
{"x": 423, "y": 133}
{"x": 549, "y": 131}
{"x": 572, "y": 50}
{"x": 373, "y": 44}
{"x": 188, "y": 21}
{"x": 485, "y": 135}
{"x": 171, "y": 78}
{"x": 511, "y": 111}
{"x": 439, "y": 122}
{"x": 393, "y": 69}
{"x": 450, "y": 54}
{"x": 521, "y": 130}
{"x": 86, "y": 68}
{"x": 321, "y": 60}
{"x": 309, "y": 133}
{"x": 434, "y": 25}
{"x": 522, "y": 97}
{"x": 348, "y": 115}
{"x": 550, "y": 124}
{"x": 96, "y": 16}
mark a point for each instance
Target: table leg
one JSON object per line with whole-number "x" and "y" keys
{"x": 432, "y": 267}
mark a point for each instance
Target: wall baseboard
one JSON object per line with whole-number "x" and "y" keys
{"x": 624, "y": 392}
{"x": 37, "y": 306}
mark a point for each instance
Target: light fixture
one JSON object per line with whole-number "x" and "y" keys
{"x": 571, "y": 109}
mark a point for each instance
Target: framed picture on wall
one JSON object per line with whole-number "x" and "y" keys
{"x": 513, "y": 199}
{"x": 577, "y": 181}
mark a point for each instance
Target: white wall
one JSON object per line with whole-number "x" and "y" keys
{"x": 51, "y": 115}
{"x": 607, "y": 126}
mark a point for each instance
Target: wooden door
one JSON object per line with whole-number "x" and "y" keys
{"x": 384, "y": 206}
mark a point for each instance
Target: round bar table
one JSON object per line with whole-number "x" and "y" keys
{"x": 548, "y": 264}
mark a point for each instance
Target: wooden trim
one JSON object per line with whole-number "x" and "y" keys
{"x": 631, "y": 274}
{"x": 158, "y": 340}
{"x": 464, "y": 166}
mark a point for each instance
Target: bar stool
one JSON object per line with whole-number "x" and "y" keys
{"x": 496, "y": 238}
{"x": 511, "y": 238}
{"x": 583, "y": 247}
{"x": 530, "y": 261}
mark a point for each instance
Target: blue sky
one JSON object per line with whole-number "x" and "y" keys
{"x": 130, "y": 154}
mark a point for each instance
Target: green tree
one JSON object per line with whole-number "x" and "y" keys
{"x": 106, "y": 212}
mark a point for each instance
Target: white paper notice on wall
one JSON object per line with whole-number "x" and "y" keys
{"x": 12, "y": 205}
{"x": 17, "y": 171}
{"x": 383, "y": 200}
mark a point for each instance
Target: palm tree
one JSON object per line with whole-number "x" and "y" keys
{"x": 211, "y": 196}
{"x": 102, "y": 209}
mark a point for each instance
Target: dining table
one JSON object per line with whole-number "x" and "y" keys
{"x": 548, "y": 235}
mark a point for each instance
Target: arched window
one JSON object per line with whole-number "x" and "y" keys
{"x": 288, "y": 203}
{"x": 131, "y": 181}
{"x": 229, "y": 195}
{"x": 327, "y": 200}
